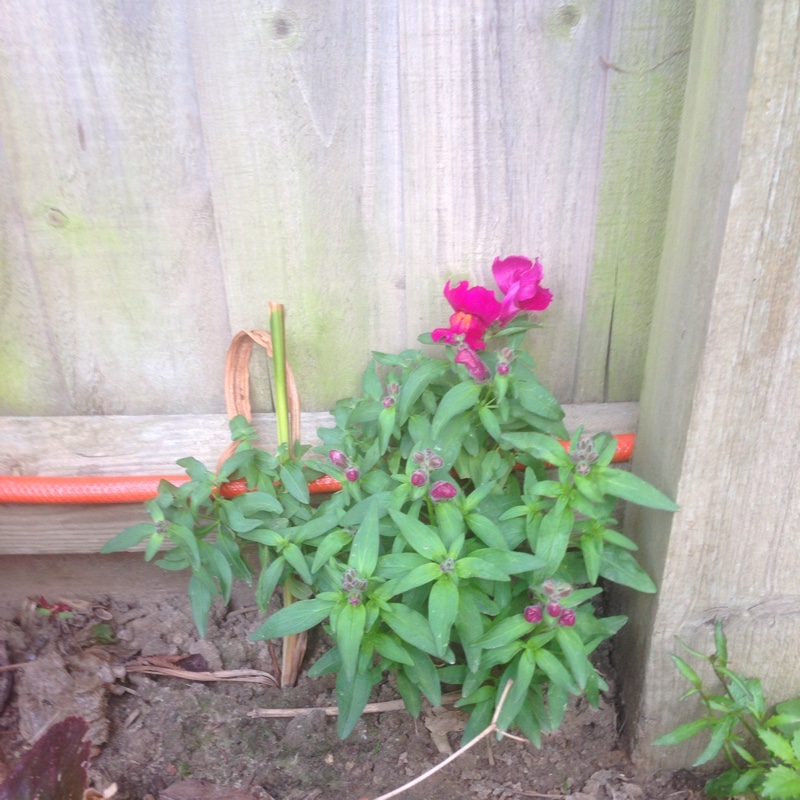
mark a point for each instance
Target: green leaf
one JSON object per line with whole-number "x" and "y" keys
{"x": 349, "y": 633}
{"x": 575, "y": 653}
{"x": 130, "y": 537}
{"x": 251, "y": 503}
{"x": 329, "y": 547}
{"x": 535, "y": 398}
{"x": 423, "y": 674}
{"x": 782, "y": 783}
{"x": 326, "y": 664}
{"x": 200, "y": 597}
{"x": 294, "y": 482}
{"x": 504, "y": 632}
{"x": 621, "y": 567}
{"x": 687, "y": 672}
{"x": 469, "y": 567}
{"x": 442, "y": 610}
{"x": 386, "y": 422}
{"x": 415, "y": 384}
{"x": 194, "y": 468}
{"x": 366, "y": 543}
{"x": 294, "y": 556}
{"x": 778, "y": 745}
{"x": 424, "y": 539}
{"x": 451, "y": 524}
{"x": 267, "y": 581}
{"x": 410, "y": 626}
{"x": 219, "y": 566}
{"x": 234, "y": 518}
{"x": 525, "y": 668}
{"x": 545, "y": 448}
{"x": 461, "y": 397}
{"x": 510, "y": 562}
{"x": 294, "y": 618}
{"x": 370, "y": 383}
{"x": 490, "y": 423}
{"x": 551, "y": 665}
{"x": 186, "y": 540}
{"x": 557, "y": 700}
{"x": 721, "y": 643}
{"x": 390, "y": 649}
{"x": 719, "y": 734}
{"x": 419, "y": 576}
{"x": 591, "y": 550}
{"x": 410, "y": 694}
{"x": 351, "y": 697}
{"x": 554, "y": 533}
{"x": 487, "y": 531}
{"x": 628, "y": 486}
{"x": 683, "y": 732}
{"x": 153, "y": 546}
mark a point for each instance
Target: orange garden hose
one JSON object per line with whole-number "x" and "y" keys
{"x": 138, "y": 488}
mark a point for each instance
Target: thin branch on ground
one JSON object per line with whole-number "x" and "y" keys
{"x": 491, "y": 728}
{"x": 332, "y": 711}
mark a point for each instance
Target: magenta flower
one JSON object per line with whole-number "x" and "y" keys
{"x": 533, "y": 613}
{"x": 338, "y": 458}
{"x": 352, "y": 474}
{"x": 554, "y": 608}
{"x": 475, "y": 309}
{"x": 567, "y": 618}
{"x": 443, "y": 490}
{"x": 419, "y": 477}
{"x": 518, "y": 280}
{"x": 475, "y": 367}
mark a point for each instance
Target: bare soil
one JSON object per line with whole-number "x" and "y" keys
{"x": 168, "y": 738}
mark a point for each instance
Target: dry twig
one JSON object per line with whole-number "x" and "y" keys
{"x": 332, "y": 711}
{"x": 492, "y": 728}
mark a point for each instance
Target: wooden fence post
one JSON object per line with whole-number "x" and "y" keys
{"x": 719, "y": 411}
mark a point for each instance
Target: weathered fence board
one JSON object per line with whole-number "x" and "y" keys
{"x": 170, "y": 167}
{"x": 150, "y": 445}
{"x": 719, "y": 407}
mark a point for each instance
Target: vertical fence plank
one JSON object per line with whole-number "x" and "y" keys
{"x": 114, "y": 223}
{"x": 646, "y": 63}
{"x": 298, "y": 110}
{"x": 501, "y": 154}
{"x": 722, "y": 385}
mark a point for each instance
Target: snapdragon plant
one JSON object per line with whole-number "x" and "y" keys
{"x": 468, "y": 539}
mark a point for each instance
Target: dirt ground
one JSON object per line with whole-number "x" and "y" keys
{"x": 168, "y": 738}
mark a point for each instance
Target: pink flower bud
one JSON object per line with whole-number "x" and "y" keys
{"x": 338, "y": 458}
{"x": 419, "y": 477}
{"x": 352, "y": 474}
{"x": 388, "y": 401}
{"x": 533, "y": 613}
{"x": 354, "y": 598}
{"x": 418, "y": 457}
{"x": 554, "y": 608}
{"x": 434, "y": 462}
{"x": 503, "y": 368}
{"x": 443, "y": 490}
{"x": 567, "y": 618}
{"x": 476, "y": 368}
{"x": 549, "y": 587}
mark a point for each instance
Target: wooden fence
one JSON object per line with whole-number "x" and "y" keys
{"x": 170, "y": 167}
{"x": 166, "y": 169}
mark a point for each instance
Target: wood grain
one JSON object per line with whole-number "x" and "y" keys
{"x": 149, "y": 445}
{"x": 173, "y": 167}
{"x": 110, "y": 227}
{"x": 723, "y": 378}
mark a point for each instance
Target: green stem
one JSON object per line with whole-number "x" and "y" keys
{"x": 277, "y": 329}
